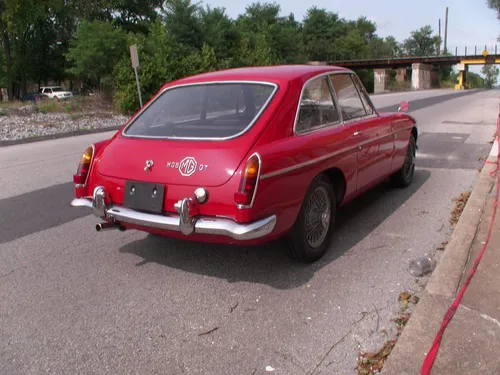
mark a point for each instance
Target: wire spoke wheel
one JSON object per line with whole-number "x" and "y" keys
{"x": 317, "y": 217}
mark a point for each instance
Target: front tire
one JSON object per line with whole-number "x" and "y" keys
{"x": 404, "y": 177}
{"x": 310, "y": 236}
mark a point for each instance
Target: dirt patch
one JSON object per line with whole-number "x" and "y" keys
{"x": 460, "y": 203}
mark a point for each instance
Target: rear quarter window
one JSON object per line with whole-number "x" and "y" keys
{"x": 202, "y": 111}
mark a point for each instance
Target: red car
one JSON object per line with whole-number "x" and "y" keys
{"x": 247, "y": 155}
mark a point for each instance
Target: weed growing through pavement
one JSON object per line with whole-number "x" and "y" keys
{"x": 372, "y": 363}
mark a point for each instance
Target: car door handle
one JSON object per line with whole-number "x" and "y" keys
{"x": 356, "y": 133}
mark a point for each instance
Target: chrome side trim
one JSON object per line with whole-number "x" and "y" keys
{"x": 360, "y": 118}
{"x": 248, "y": 127}
{"x": 197, "y": 224}
{"x": 327, "y": 156}
{"x": 241, "y": 206}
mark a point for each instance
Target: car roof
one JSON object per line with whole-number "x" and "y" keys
{"x": 272, "y": 73}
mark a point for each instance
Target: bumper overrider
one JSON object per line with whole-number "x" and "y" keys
{"x": 183, "y": 222}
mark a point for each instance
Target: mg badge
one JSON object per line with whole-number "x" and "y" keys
{"x": 149, "y": 164}
{"x": 188, "y": 166}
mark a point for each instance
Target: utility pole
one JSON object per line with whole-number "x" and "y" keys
{"x": 445, "y": 30}
{"x": 438, "y": 49}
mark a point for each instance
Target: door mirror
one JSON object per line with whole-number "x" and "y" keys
{"x": 404, "y": 106}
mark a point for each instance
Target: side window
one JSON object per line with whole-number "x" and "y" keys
{"x": 350, "y": 102}
{"x": 364, "y": 95}
{"x": 316, "y": 106}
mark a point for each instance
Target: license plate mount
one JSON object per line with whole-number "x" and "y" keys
{"x": 144, "y": 196}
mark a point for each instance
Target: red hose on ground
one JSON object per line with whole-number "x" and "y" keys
{"x": 431, "y": 356}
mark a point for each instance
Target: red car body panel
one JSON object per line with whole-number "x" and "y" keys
{"x": 363, "y": 152}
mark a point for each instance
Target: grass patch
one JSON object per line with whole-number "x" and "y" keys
{"x": 372, "y": 363}
{"x": 49, "y": 107}
{"x": 447, "y": 85}
{"x": 399, "y": 86}
{"x": 460, "y": 203}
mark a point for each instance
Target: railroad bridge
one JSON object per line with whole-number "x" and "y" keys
{"x": 421, "y": 67}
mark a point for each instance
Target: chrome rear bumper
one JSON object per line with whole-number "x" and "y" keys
{"x": 181, "y": 222}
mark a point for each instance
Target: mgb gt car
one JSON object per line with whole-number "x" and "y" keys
{"x": 246, "y": 156}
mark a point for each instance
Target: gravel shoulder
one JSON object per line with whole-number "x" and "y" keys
{"x": 22, "y": 123}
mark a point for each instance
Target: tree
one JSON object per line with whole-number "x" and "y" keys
{"x": 95, "y": 50}
{"x": 421, "y": 42}
{"x": 495, "y": 5}
{"x": 491, "y": 75}
{"x": 320, "y": 32}
{"x": 182, "y": 20}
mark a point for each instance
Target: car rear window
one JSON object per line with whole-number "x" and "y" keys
{"x": 215, "y": 110}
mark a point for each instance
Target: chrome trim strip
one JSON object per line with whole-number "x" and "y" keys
{"x": 360, "y": 118}
{"x": 241, "y": 206}
{"x": 249, "y": 126}
{"x": 324, "y": 157}
{"x": 202, "y": 225}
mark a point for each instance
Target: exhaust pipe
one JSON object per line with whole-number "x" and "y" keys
{"x": 108, "y": 226}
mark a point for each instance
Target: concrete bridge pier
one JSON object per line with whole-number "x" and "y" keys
{"x": 381, "y": 80}
{"x": 421, "y": 76}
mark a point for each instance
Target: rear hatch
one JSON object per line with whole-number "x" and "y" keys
{"x": 174, "y": 163}
{"x": 191, "y": 135}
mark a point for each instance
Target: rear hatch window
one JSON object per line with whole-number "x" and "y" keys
{"x": 203, "y": 111}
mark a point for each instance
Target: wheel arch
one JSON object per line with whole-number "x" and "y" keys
{"x": 414, "y": 132}
{"x": 338, "y": 181}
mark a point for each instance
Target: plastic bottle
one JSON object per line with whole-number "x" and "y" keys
{"x": 422, "y": 266}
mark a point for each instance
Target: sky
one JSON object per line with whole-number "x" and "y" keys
{"x": 470, "y": 23}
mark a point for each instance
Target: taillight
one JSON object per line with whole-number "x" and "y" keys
{"x": 80, "y": 177}
{"x": 248, "y": 184}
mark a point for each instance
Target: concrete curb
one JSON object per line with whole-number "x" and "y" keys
{"x": 445, "y": 279}
{"x": 57, "y": 136}
{"x": 443, "y": 285}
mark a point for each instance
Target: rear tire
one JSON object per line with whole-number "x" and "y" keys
{"x": 404, "y": 176}
{"x": 310, "y": 236}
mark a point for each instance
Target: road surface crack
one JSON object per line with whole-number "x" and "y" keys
{"x": 329, "y": 351}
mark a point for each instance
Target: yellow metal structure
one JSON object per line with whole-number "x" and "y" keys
{"x": 461, "y": 85}
{"x": 479, "y": 61}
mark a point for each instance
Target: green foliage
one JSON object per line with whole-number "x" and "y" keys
{"x": 495, "y": 5}
{"x": 157, "y": 66}
{"x": 3, "y": 70}
{"x": 490, "y": 72}
{"x": 88, "y": 41}
{"x": 95, "y": 50}
{"x": 421, "y": 42}
{"x": 49, "y": 106}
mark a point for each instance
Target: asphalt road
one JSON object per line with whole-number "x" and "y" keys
{"x": 74, "y": 301}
